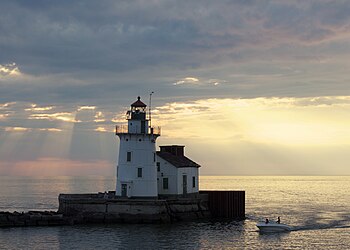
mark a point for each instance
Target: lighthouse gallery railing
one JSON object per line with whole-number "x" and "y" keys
{"x": 123, "y": 129}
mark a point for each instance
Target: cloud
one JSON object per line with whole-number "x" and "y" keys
{"x": 72, "y": 67}
{"x": 86, "y": 108}
{"x": 215, "y": 82}
{"x": 99, "y": 117}
{"x": 32, "y": 117}
{"x": 102, "y": 129}
{"x": 35, "y": 108}
{"x": 10, "y": 69}
{"x": 7, "y": 105}
{"x": 282, "y": 133}
{"x": 197, "y": 81}
{"x": 324, "y": 101}
{"x": 260, "y": 136}
{"x": 3, "y": 116}
{"x": 16, "y": 129}
{"x": 187, "y": 80}
{"x": 153, "y": 34}
{"x": 290, "y": 121}
{"x": 51, "y": 129}
{"x": 66, "y": 117}
{"x": 85, "y": 58}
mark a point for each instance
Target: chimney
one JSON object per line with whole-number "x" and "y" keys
{"x": 173, "y": 149}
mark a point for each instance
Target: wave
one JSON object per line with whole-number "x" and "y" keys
{"x": 334, "y": 224}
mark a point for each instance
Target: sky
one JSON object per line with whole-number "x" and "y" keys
{"x": 249, "y": 87}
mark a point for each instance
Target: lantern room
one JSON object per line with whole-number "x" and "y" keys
{"x": 137, "y": 111}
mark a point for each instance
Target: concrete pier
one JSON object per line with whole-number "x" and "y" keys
{"x": 106, "y": 208}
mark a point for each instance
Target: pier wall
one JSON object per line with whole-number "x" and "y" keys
{"x": 107, "y": 208}
{"x": 92, "y": 208}
{"x": 226, "y": 204}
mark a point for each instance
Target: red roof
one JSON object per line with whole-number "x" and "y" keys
{"x": 138, "y": 103}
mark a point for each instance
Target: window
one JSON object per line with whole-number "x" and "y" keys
{"x": 158, "y": 166}
{"x": 165, "y": 183}
{"x": 194, "y": 181}
{"x": 139, "y": 172}
{"x": 128, "y": 156}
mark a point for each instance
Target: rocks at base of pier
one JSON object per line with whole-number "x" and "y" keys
{"x": 32, "y": 218}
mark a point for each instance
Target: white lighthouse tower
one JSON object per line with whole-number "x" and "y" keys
{"x": 136, "y": 170}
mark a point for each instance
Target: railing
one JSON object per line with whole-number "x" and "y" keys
{"x": 155, "y": 130}
{"x": 123, "y": 129}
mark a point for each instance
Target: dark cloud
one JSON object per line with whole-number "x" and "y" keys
{"x": 70, "y": 54}
{"x": 118, "y": 36}
{"x": 105, "y": 53}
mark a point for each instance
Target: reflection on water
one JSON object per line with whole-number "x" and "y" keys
{"x": 41, "y": 193}
{"x": 317, "y": 207}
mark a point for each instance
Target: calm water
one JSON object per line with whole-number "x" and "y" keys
{"x": 318, "y": 208}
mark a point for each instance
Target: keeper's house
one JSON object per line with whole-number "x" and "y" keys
{"x": 176, "y": 174}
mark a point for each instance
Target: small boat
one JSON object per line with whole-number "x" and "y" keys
{"x": 272, "y": 227}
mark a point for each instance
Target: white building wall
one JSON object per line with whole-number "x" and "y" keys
{"x": 134, "y": 126}
{"x": 142, "y": 148}
{"x": 189, "y": 172}
{"x": 167, "y": 171}
{"x": 175, "y": 179}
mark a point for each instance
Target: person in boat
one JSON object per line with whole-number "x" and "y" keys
{"x": 267, "y": 221}
{"x": 278, "y": 220}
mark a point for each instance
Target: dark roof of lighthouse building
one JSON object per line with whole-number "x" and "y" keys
{"x": 138, "y": 103}
{"x": 179, "y": 161}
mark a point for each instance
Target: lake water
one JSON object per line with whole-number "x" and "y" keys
{"x": 317, "y": 207}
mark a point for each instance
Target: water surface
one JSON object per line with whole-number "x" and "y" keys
{"x": 317, "y": 207}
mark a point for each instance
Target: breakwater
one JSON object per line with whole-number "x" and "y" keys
{"x": 106, "y": 208}
{"x": 32, "y": 218}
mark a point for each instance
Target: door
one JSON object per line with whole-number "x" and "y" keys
{"x": 124, "y": 190}
{"x": 184, "y": 184}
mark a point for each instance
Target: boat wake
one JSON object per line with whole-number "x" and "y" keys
{"x": 313, "y": 225}
{"x": 318, "y": 227}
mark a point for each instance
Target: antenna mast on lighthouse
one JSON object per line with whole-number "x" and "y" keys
{"x": 149, "y": 110}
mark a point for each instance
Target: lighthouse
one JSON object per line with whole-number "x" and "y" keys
{"x": 136, "y": 169}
